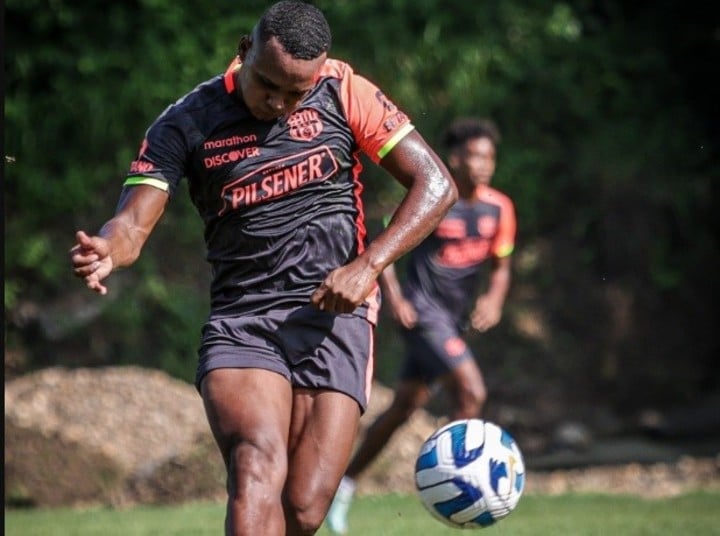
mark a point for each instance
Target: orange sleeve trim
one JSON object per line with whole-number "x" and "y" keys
{"x": 376, "y": 122}
{"x": 504, "y": 242}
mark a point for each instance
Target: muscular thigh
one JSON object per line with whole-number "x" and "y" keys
{"x": 323, "y": 429}
{"x": 247, "y": 406}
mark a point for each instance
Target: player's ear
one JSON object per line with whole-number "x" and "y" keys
{"x": 244, "y": 46}
{"x": 453, "y": 160}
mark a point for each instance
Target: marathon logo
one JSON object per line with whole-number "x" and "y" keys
{"x": 279, "y": 178}
{"x": 229, "y": 142}
{"x": 231, "y": 156}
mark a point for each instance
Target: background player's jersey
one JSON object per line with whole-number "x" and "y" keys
{"x": 281, "y": 200}
{"x": 443, "y": 271}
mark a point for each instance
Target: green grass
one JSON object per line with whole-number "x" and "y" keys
{"x": 400, "y": 515}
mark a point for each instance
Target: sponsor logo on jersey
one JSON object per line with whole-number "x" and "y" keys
{"x": 451, "y": 228}
{"x": 386, "y": 103}
{"x": 230, "y": 157}
{"x": 487, "y": 226}
{"x": 231, "y": 141}
{"x": 395, "y": 120}
{"x": 464, "y": 253}
{"x": 140, "y": 165}
{"x": 279, "y": 178}
{"x": 304, "y": 124}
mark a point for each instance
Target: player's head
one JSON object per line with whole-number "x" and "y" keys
{"x": 282, "y": 57}
{"x": 301, "y": 29}
{"x": 471, "y": 146}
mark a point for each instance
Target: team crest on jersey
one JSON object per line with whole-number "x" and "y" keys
{"x": 304, "y": 124}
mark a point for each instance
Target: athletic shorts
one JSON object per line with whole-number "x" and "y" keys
{"x": 311, "y": 348}
{"x": 432, "y": 350}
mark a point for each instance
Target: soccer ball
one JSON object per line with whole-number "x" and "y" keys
{"x": 470, "y": 473}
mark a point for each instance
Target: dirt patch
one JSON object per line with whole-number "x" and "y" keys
{"x": 74, "y": 436}
{"x": 126, "y": 435}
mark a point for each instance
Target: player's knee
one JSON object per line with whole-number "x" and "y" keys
{"x": 256, "y": 470}
{"x": 306, "y": 507}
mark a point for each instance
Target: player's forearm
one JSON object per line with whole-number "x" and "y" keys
{"x": 499, "y": 284}
{"x": 391, "y": 286}
{"x": 416, "y": 217}
{"x": 124, "y": 240}
{"x": 139, "y": 210}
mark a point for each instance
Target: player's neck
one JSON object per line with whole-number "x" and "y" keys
{"x": 467, "y": 192}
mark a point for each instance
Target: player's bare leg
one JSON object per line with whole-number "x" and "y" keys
{"x": 467, "y": 390}
{"x": 249, "y": 412}
{"x": 323, "y": 429}
{"x": 409, "y": 397}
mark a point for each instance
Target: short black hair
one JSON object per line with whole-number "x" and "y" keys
{"x": 464, "y": 129}
{"x": 301, "y": 29}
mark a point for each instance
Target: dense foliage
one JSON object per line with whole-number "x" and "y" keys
{"x": 610, "y": 150}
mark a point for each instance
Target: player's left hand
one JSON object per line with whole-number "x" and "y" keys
{"x": 345, "y": 288}
{"x": 487, "y": 314}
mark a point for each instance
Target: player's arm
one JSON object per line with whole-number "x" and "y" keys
{"x": 402, "y": 310}
{"x": 489, "y": 306}
{"x": 120, "y": 240}
{"x": 430, "y": 194}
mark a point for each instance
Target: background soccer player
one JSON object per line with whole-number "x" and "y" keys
{"x": 438, "y": 299}
{"x": 271, "y": 152}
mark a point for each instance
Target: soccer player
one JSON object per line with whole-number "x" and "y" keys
{"x": 438, "y": 299}
{"x": 270, "y": 149}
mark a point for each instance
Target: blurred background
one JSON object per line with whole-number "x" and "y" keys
{"x": 610, "y": 118}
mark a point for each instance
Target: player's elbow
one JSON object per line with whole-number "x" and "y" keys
{"x": 445, "y": 193}
{"x": 451, "y": 193}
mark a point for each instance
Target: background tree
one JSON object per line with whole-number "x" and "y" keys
{"x": 610, "y": 150}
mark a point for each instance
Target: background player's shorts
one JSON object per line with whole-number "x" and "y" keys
{"x": 309, "y": 347}
{"x": 432, "y": 350}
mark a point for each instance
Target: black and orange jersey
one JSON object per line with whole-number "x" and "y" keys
{"x": 280, "y": 200}
{"x": 443, "y": 271}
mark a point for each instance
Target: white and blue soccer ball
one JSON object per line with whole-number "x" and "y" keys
{"x": 470, "y": 473}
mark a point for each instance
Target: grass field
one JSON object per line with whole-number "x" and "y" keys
{"x": 401, "y": 515}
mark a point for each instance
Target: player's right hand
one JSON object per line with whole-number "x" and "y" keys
{"x": 91, "y": 260}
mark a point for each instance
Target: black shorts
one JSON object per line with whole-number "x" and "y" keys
{"x": 309, "y": 347}
{"x": 432, "y": 350}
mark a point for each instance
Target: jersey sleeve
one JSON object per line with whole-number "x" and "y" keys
{"x": 377, "y": 123}
{"x": 504, "y": 242}
{"x": 161, "y": 160}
